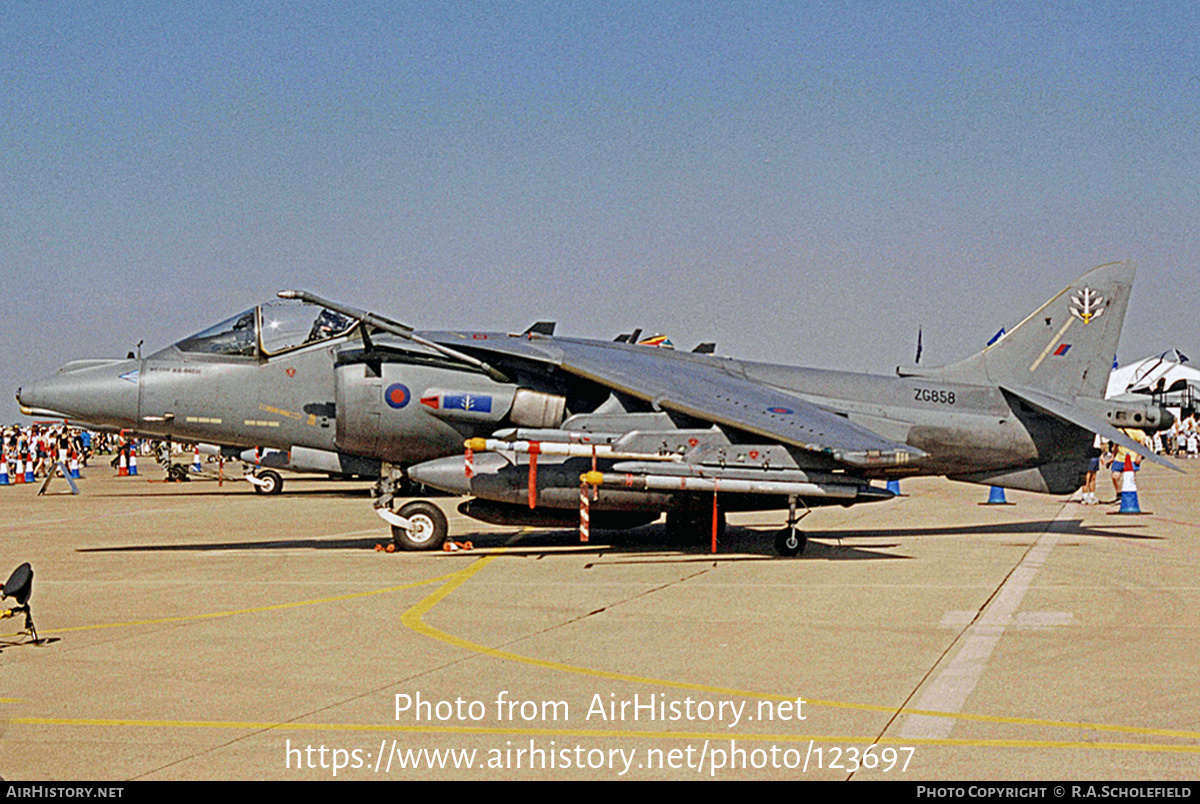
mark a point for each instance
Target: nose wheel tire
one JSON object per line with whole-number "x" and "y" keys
{"x": 428, "y": 527}
{"x": 270, "y": 482}
{"x": 790, "y": 542}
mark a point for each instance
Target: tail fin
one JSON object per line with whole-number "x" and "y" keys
{"x": 1066, "y": 348}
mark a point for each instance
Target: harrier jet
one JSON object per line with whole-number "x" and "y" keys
{"x": 532, "y": 426}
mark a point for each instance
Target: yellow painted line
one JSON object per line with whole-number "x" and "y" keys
{"x": 413, "y": 618}
{"x": 257, "y": 609}
{"x": 280, "y": 412}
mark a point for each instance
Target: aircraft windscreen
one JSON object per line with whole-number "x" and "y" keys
{"x": 288, "y": 325}
{"x": 234, "y": 336}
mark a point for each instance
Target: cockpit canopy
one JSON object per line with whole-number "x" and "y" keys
{"x": 269, "y": 329}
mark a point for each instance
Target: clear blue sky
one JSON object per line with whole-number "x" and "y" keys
{"x": 800, "y": 182}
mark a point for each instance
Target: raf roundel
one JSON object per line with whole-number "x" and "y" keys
{"x": 397, "y": 395}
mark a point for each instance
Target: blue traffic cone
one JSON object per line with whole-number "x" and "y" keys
{"x": 996, "y": 497}
{"x": 893, "y": 486}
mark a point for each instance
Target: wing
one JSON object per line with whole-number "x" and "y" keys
{"x": 712, "y": 389}
{"x": 704, "y": 390}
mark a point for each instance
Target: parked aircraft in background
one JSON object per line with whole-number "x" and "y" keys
{"x": 638, "y": 431}
{"x": 262, "y": 466}
{"x": 1168, "y": 378}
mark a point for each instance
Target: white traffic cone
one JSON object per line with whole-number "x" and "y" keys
{"x": 1129, "y": 498}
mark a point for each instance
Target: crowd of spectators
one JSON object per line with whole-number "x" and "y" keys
{"x": 37, "y": 448}
{"x": 1182, "y": 439}
{"x": 43, "y": 445}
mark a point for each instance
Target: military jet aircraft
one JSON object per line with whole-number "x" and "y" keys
{"x": 549, "y": 422}
{"x": 262, "y": 467}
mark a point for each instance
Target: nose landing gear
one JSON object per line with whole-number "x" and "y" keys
{"x": 418, "y": 525}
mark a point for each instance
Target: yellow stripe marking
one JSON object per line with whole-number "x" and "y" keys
{"x": 275, "y": 607}
{"x": 1050, "y": 345}
{"x": 281, "y": 412}
{"x": 413, "y": 618}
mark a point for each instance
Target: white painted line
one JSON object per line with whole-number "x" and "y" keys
{"x": 949, "y": 691}
{"x": 956, "y": 620}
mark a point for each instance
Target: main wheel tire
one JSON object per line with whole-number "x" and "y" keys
{"x": 429, "y": 527}
{"x": 271, "y": 483}
{"x": 790, "y": 542}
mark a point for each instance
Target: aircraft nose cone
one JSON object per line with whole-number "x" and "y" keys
{"x": 93, "y": 391}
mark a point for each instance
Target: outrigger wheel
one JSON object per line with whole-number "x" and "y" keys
{"x": 428, "y": 527}
{"x": 790, "y": 542}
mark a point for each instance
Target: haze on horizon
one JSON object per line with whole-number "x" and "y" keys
{"x": 802, "y": 183}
